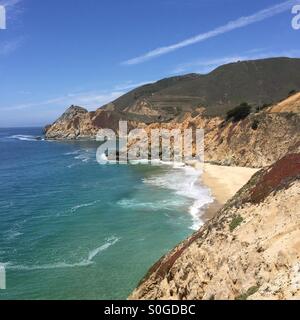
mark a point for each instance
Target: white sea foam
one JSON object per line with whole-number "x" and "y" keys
{"x": 62, "y": 265}
{"x": 84, "y": 155}
{"x": 83, "y": 205}
{"x": 71, "y": 153}
{"x": 24, "y": 137}
{"x": 13, "y": 234}
{"x": 141, "y": 161}
{"x": 183, "y": 180}
{"x": 71, "y": 166}
{"x": 153, "y": 206}
{"x": 110, "y": 242}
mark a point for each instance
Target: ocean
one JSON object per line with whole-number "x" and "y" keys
{"x": 71, "y": 228}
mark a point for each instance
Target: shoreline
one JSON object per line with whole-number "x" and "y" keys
{"x": 224, "y": 182}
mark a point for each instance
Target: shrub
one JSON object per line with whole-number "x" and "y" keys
{"x": 249, "y": 293}
{"x": 292, "y": 92}
{"x": 236, "y": 221}
{"x": 255, "y": 125}
{"x": 239, "y": 113}
{"x": 264, "y": 106}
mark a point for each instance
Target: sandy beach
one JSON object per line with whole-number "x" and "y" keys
{"x": 223, "y": 182}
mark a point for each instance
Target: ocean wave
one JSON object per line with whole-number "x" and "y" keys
{"x": 14, "y": 231}
{"x": 183, "y": 181}
{"x": 71, "y": 166}
{"x": 72, "y": 153}
{"x": 153, "y": 206}
{"x": 62, "y": 265}
{"x": 83, "y": 205}
{"x": 13, "y": 234}
{"x": 84, "y": 155}
{"x": 110, "y": 242}
{"x": 25, "y": 137}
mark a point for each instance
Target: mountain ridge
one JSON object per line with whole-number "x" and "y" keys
{"x": 257, "y": 82}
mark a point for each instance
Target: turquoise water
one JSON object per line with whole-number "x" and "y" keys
{"x": 73, "y": 229}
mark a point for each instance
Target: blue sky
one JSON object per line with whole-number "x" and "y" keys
{"x": 55, "y": 53}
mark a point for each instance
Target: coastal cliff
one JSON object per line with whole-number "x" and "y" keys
{"x": 256, "y": 141}
{"x": 251, "y": 118}
{"x": 271, "y": 130}
{"x": 78, "y": 123}
{"x": 249, "y": 250}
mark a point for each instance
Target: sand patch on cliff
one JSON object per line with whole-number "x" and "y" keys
{"x": 224, "y": 181}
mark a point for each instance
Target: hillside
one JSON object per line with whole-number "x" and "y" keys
{"x": 258, "y": 140}
{"x": 258, "y": 83}
{"x": 291, "y": 104}
{"x": 249, "y": 250}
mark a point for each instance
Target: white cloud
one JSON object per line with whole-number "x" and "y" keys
{"x": 9, "y": 3}
{"x": 206, "y": 65}
{"x": 131, "y": 85}
{"x": 230, "y": 26}
{"x": 94, "y": 100}
{"x": 90, "y": 100}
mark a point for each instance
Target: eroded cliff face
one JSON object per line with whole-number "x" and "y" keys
{"x": 257, "y": 141}
{"x": 250, "y": 250}
{"x": 78, "y": 123}
{"x": 74, "y": 123}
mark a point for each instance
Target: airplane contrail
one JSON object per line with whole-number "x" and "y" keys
{"x": 232, "y": 25}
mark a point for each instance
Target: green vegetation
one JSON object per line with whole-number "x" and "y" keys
{"x": 236, "y": 221}
{"x": 264, "y": 106}
{"x": 292, "y": 92}
{"x": 249, "y": 293}
{"x": 239, "y": 113}
{"x": 255, "y": 124}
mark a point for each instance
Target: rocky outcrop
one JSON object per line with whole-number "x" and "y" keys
{"x": 78, "y": 123}
{"x": 71, "y": 125}
{"x": 249, "y": 250}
